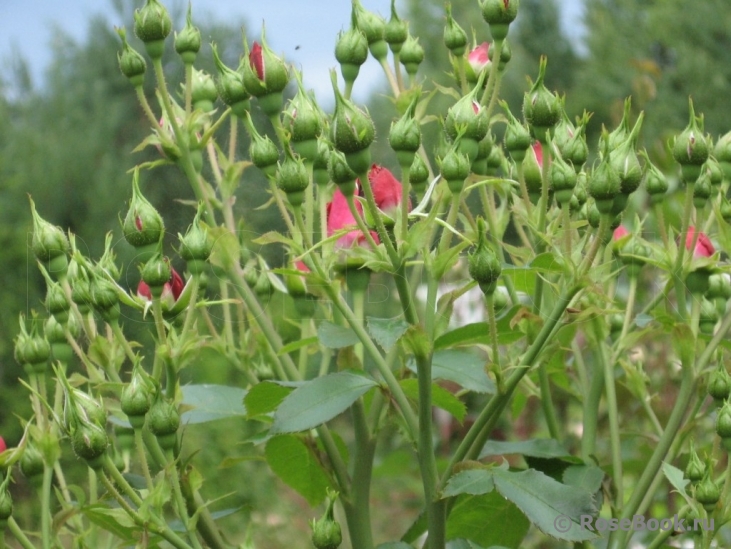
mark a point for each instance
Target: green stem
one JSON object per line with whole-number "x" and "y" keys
{"x": 46, "y": 506}
{"x": 591, "y": 413}
{"x": 678, "y": 269}
{"x": 629, "y": 308}
{"x": 233, "y": 134}
{"x": 397, "y": 70}
{"x": 190, "y": 312}
{"x": 142, "y": 457}
{"x": 146, "y": 107}
{"x": 662, "y": 537}
{"x": 17, "y": 531}
{"x": 206, "y": 525}
{"x": 405, "y": 201}
{"x": 660, "y": 215}
{"x": 390, "y": 76}
{"x": 493, "y": 76}
{"x": 122, "y": 340}
{"x": 276, "y": 194}
{"x": 361, "y": 222}
{"x": 462, "y": 75}
{"x": 490, "y": 302}
{"x": 180, "y": 501}
{"x": 549, "y": 410}
{"x": 188, "y": 88}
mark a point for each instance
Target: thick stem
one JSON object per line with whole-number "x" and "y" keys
{"x": 46, "y": 506}
{"x": 19, "y": 534}
{"x": 142, "y": 457}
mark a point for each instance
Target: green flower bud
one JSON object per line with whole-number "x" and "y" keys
{"x": 541, "y": 108}
{"x": 231, "y": 88}
{"x": 30, "y": 347}
{"x": 373, "y": 26}
{"x": 49, "y": 244}
{"x": 499, "y": 14}
{"x": 156, "y": 273}
{"x": 604, "y": 184}
{"x": 455, "y": 38}
{"x": 418, "y": 175}
{"x": 725, "y": 209}
{"x": 341, "y": 174}
{"x": 80, "y": 407}
{"x": 351, "y": 51}
{"x": 483, "y": 264}
{"x": 714, "y": 171}
{"x": 56, "y": 336}
{"x": 707, "y": 492}
{"x": 616, "y": 323}
{"x": 53, "y": 331}
{"x": 562, "y": 178}
{"x": 143, "y": 227}
{"x": 137, "y": 398}
{"x": 31, "y": 462}
{"x": 708, "y": 317}
{"x": 263, "y": 152}
{"x": 719, "y": 286}
{"x": 624, "y": 160}
{"x": 89, "y": 442}
{"x": 620, "y": 134}
{"x": 655, "y": 181}
{"x": 484, "y": 150}
{"x": 696, "y": 469}
{"x": 702, "y": 190}
{"x": 517, "y": 137}
{"x": 691, "y": 147}
{"x": 131, "y": 63}
{"x": 152, "y": 25}
{"x": 580, "y": 196}
{"x": 304, "y": 122}
{"x": 57, "y": 303}
{"x": 163, "y": 420}
{"x": 326, "y": 532}
{"x": 195, "y": 248}
{"x": 634, "y": 255}
{"x": 295, "y": 283}
{"x": 104, "y": 295}
{"x": 455, "y": 167}
{"x": 468, "y": 118}
{"x": 188, "y": 42}
{"x": 506, "y": 54}
{"x": 351, "y": 131}
{"x": 405, "y": 136}
{"x": 412, "y": 55}
{"x": 571, "y": 141}
{"x": 265, "y": 75}
{"x": 494, "y": 160}
{"x": 396, "y": 30}
{"x": 203, "y": 91}
{"x": 723, "y": 420}
{"x": 6, "y": 500}
{"x": 321, "y": 162}
{"x": 719, "y": 384}
{"x": 532, "y": 171}
{"x": 292, "y": 178}
{"x": 722, "y": 153}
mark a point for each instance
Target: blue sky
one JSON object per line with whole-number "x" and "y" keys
{"x": 310, "y": 24}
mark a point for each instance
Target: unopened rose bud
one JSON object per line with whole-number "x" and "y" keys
{"x": 405, "y": 136}
{"x": 263, "y": 152}
{"x": 31, "y": 462}
{"x": 265, "y": 76}
{"x": 203, "y": 91}
{"x": 541, "y": 108}
{"x": 714, "y": 171}
{"x": 478, "y": 62}
{"x": 292, "y": 178}
{"x": 455, "y": 167}
{"x": 708, "y": 317}
{"x": 156, "y": 273}
{"x": 89, "y": 442}
{"x": 341, "y": 174}
{"x": 517, "y": 137}
{"x": 562, "y": 179}
{"x": 321, "y": 162}
{"x": 57, "y": 303}
{"x": 373, "y": 27}
{"x": 231, "y": 88}
{"x": 624, "y": 160}
{"x": 396, "y": 30}
{"x": 604, "y": 185}
{"x": 136, "y": 398}
{"x": 484, "y": 266}
{"x": 195, "y": 248}
{"x": 326, "y": 533}
{"x": 691, "y": 148}
{"x": 351, "y": 51}
{"x": 131, "y": 63}
{"x": 152, "y": 26}
{"x": 702, "y": 190}
{"x": 418, "y": 175}
{"x": 412, "y": 55}
{"x": 719, "y": 384}
{"x": 571, "y": 141}
{"x": 533, "y": 171}
{"x": 188, "y": 42}
{"x": 143, "y": 227}
{"x": 499, "y": 14}
{"x": 104, "y": 297}
{"x": 506, "y": 54}
{"x": 50, "y": 245}
{"x": 695, "y": 470}
{"x": 303, "y": 120}
{"x": 351, "y": 131}
{"x": 163, "y": 420}
{"x": 656, "y": 183}
{"x": 455, "y": 38}
{"x": 6, "y": 500}
{"x": 468, "y": 118}
{"x": 31, "y": 348}
{"x": 722, "y": 153}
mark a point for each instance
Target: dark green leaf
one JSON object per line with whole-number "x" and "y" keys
{"x": 113, "y": 520}
{"x": 478, "y": 333}
{"x": 336, "y": 337}
{"x": 539, "y": 447}
{"x": 211, "y": 402}
{"x": 318, "y": 401}
{"x": 441, "y": 398}
{"x": 488, "y": 519}
{"x": 462, "y": 367}
{"x": 586, "y": 477}
{"x": 292, "y": 461}
{"x": 387, "y": 331}
{"x": 545, "y": 501}
{"x": 264, "y": 397}
{"x": 473, "y": 481}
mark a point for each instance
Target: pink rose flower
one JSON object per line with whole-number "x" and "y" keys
{"x": 339, "y": 217}
{"x": 387, "y": 190}
{"x": 478, "y": 58}
{"x": 170, "y": 291}
{"x": 703, "y": 245}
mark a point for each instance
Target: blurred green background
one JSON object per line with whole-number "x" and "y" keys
{"x": 69, "y": 145}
